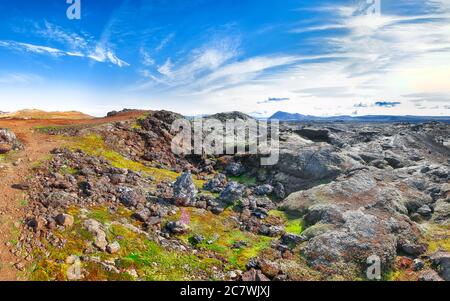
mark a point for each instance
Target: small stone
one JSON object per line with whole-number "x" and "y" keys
{"x": 21, "y": 186}
{"x": 65, "y": 220}
{"x": 177, "y": 227}
{"x": 269, "y": 268}
{"x": 133, "y": 273}
{"x": 414, "y": 249}
{"x": 142, "y": 215}
{"x": 197, "y": 239}
{"x": 425, "y": 211}
{"x": 254, "y": 275}
{"x": 20, "y": 266}
{"x": 417, "y": 265}
{"x": 72, "y": 259}
{"x": 113, "y": 248}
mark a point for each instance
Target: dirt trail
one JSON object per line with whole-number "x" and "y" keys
{"x": 37, "y": 147}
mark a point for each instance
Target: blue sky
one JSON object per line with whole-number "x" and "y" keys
{"x": 205, "y": 56}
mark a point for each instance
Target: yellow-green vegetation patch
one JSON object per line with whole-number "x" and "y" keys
{"x": 438, "y": 238}
{"x": 220, "y": 233}
{"x": 94, "y": 145}
{"x": 41, "y": 162}
{"x": 155, "y": 263}
{"x": 69, "y": 170}
{"x": 8, "y": 157}
{"x": 146, "y": 257}
{"x": 137, "y": 124}
{"x": 293, "y": 224}
{"x": 59, "y": 128}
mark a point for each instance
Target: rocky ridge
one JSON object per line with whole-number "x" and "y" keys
{"x": 340, "y": 194}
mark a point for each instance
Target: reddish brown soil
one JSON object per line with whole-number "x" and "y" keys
{"x": 37, "y": 147}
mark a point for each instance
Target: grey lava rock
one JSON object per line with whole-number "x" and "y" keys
{"x": 217, "y": 184}
{"x": 184, "y": 190}
{"x": 177, "y": 227}
{"x": 129, "y": 198}
{"x": 8, "y": 141}
{"x": 96, "y": 229}
{"x": 234, "y": 169}
{"x": 441, "y": 260}
{"x": 263, "y": 190}
{"x": 233, "y": 192}
{"x": 113, "y": 247}
{"x": 65, "y": 220}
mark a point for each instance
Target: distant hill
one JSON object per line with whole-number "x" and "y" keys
{"x": 39, "y": 114}
{"x": 284, "y": 116}
{"x": 230, "y": 116}
{"x": 287, "y": 116}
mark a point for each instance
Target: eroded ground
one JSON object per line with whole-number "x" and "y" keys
{"x": 106, "y": 199}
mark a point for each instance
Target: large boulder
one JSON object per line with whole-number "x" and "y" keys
{"x": 8, "y": 141}
{"x": 233, "y": 192}
{"x": 339, "y": 191}
{"x": 184, "y": 190}
{"x": 442, "y": 212}
{"x": 362, "y": 236}
{"x": 441, "y": 260}
{"x": 315, "y": 134}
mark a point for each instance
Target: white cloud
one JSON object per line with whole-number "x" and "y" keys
{"x": 104, "y": 55}
{"x": 378, "y": 58}
{"x": 200, "y": 61}
{"x": 78, "y": 46}
{"x": 165, "y": 41}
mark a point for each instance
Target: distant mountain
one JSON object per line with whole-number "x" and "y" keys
{"x": 287, "y": 116}
{"x": 283, "y": 116}
{"x": 39, "y": 114}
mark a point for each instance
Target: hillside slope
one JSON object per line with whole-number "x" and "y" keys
{"x": 39, "y": 114}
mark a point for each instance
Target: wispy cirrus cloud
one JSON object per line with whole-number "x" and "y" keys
{"x": 70, "y": 44}
{"x": 188, "y": 69}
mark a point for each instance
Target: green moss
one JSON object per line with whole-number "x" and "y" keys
{"x": 220, "y": 233}
{"x": 69, "y": 170}
{"x": 8, "y": 157}
{"x": 437, "y": 238}
{"x": 158, "y": 264}
{"x": 293, "y": 224}
{"x": 46, "y": 129}
{"x": 244, "y": 179}
{"x": 101, "y": 214}
{"x": 151, "y": 261}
